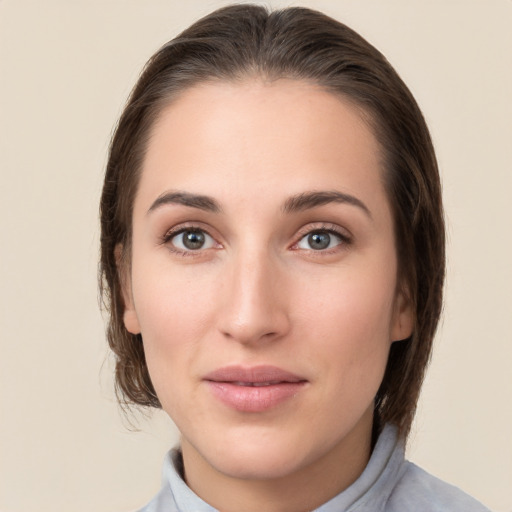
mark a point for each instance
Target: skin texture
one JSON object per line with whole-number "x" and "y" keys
{"x": 258, "y": 293}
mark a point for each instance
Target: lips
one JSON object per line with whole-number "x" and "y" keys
{"x": 254, "y": 389}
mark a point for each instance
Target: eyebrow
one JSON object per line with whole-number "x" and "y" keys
{"x": 297, "y": 203}
{"x": 186, "y": 199}
{"x": 308, "y": 200}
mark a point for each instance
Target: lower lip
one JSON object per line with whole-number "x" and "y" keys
{"x": 254, "y": 398}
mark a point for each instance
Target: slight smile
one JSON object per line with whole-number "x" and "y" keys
{"x": 253, "y": 389}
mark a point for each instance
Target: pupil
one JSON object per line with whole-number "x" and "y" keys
{"x": 193, "y": 239}
{"x": 319, "y": 241}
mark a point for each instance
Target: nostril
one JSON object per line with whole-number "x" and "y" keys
{"x": 252, "y": 307}
{"x": 255, "y": 331}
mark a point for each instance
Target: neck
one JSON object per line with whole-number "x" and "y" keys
{"x": 302, "y": 490}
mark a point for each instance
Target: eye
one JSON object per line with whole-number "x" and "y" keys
{"x": 192, "y": 240}
{"x": 320, "y": 240}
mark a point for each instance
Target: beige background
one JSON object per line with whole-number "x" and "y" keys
{"x": 66, "y": 68}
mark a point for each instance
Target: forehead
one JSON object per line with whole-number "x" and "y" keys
{"x": 295, "y": 109}
{"x": 220, "y": 134}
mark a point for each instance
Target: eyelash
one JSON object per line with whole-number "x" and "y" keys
{"x": 174, "y": 232}
{"x": 330, "y": 229}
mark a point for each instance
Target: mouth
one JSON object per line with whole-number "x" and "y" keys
{"x": 257, "y": 384}
{"x": 254, "y": 389}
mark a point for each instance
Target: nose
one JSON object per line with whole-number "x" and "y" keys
{"x": 254, "y": 306}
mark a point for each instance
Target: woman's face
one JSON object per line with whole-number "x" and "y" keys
{"x": 264, "y": 277}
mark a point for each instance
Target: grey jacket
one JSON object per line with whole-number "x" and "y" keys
{"x": 388, "y": 484}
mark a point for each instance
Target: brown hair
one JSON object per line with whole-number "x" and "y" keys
{"x": 243, "y": 41}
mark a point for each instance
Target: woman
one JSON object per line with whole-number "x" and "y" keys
{"x": 273, "y": 259}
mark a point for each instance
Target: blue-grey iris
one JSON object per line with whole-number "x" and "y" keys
{"x": 193, "y": 240}
{"x": 319, "y": 240}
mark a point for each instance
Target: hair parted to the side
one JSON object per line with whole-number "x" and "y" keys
{"x": 241, "y": 42}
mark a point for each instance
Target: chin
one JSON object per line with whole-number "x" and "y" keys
{"x": 261, "y": 458}
{"x": 259, "y": 464}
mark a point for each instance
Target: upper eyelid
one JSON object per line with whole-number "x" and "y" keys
{"x": 184, "y": 226}
{"x": 324, "y": 226}
{"x": 171, "y": 234}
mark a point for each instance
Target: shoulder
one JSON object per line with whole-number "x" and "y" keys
{"x": 162, "y": 502}
{"x": 420, "y": 491}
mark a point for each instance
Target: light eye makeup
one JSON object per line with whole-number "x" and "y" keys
{"x": 192, "y": 240}
{"x": 317, "y": 239}
{"x": 322, "y": 238}
{"x": 189, "y": 240}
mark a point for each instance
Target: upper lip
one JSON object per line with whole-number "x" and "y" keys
{"x": 253, "y": 375}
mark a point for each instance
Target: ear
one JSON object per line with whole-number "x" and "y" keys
{"x": 403, "y": 317}
{"x": 130, "y": 319}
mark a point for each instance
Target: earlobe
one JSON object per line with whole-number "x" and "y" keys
{"x": 130, "y": 319}
{"x": 403, "y": 318}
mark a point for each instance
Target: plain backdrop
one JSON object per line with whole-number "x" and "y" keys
{"x": 66, "y": 68}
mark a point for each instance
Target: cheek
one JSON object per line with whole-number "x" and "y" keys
{"x": 172, "y": 302}
{"x": 351, "y": 301}
{"x": 174, "y": 311}
{"x": 349, "y": 321}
